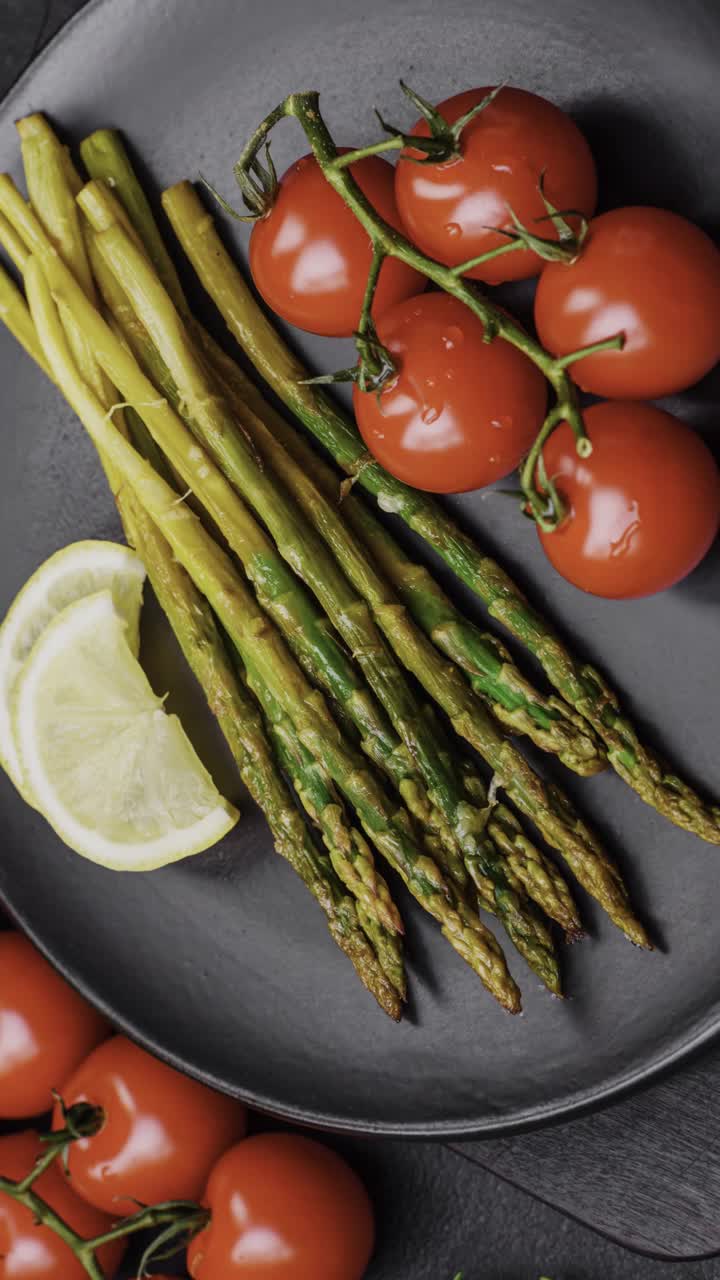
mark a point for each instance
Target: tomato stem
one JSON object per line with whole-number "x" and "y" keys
{"x": 47, "y": 1217}
{"x": 545, "y": 506}
{"x": 184, "y": 1216}
{"x": 180, "y": 1218}
{"x": 375, "y": 149}
{"x": 616, "y": 343}
{"x": 463, "y": 267}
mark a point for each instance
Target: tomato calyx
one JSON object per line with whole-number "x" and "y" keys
{"x": 81, "y": 1120}
{"x": 374, "y": 370}
{"x": 258, "y": 184}
{"x": 442, "y": 145}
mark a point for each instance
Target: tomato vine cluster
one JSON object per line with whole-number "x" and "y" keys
{"x": 451, "y": 393}
{"x": 136, "y": 1146}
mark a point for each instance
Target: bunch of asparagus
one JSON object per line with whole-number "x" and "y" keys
{"x": 335, "y": 664}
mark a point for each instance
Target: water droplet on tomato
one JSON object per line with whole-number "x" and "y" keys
{"x": 452, "y": 337}
{"x": 429, "y": 415}
{"x": 453, "y": 230}
{"x": 431, "y": 382}
{"x": 501, "y": 424}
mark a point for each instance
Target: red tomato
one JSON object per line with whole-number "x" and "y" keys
{"x": 283, "y": 1208}
{"x": 30, "y": 1252}
{"x": 461, "y": 411}
{"x": 447, "y": 208}
{"x": 310, "y": 258}
{"x": 162, "y": 1133}
{"x": 643, "y": 508}
{"x": 46, "y": 1029}
{"x": 651, "y": 275}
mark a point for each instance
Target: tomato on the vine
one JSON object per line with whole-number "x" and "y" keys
{"x": 161, "y": 1135}
{"x": 646, "y": 273}
{"x": 310, "y": 257}
{"x": 283, "y": 1208}
{"x": 460, "y": 412}
{"x": 32, "y": 1252}
{"x": 515, "y": 141}
{"x": 642, "y": 510}
{"x": 46, "y": 1029}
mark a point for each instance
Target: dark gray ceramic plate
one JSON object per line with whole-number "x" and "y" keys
{"x": 223, "y": 965}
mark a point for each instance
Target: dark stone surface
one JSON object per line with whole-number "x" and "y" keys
{"x": 620, "y": 1169}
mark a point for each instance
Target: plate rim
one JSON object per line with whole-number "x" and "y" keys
{"x": 582, "y": 1103}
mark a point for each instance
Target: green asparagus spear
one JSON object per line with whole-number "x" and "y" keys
{"x": 299, "y": 543}
{"x": 46, "y": 168}
{"x": 348, "y": 850}
{"x": 251, "y": 631}
{"x": 527, "y": 868}
{"x": 581, "y": 686}
{"x": 197, "y": 634}
{"x": 104, "y": 156}
{"x": 196, "y": 630}
{"x": 15, "y": 315}
{"x": 13, "y": 244}
{"x": 301, "y": 546}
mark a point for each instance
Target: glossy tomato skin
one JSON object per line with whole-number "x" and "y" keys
{"x": 644, "y": 508}
{"x": 162, "y": 1133}
{"x": 283, "y": 1208}
{"x": 461, "y": 412}
{"x": 30, "y": 1252}
{"x": 46, "y": 1029}
{"x": 310, "y": 258}
{"x": 447, "y": 208}
{"x": 651, "y": 275}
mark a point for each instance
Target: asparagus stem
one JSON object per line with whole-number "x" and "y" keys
{"x": 260, "y": 646}
{"x": 547, "y": 808}
{"x": 15, "y": 315}
{"x": 13, "y": 244}
{"x": 579, "y": 684}
{"x": 46, "y": 168}
{"x": 105, "y": 157}
{"x": 349, "y": 852}
{"x": 302, "y": 542}
{"x": 196, "y": 631}
{"x": 48, "y": 171}
{"x": 195, "y": 628}
{"x": 524, "y": 861}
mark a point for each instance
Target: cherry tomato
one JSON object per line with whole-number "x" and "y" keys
{"x": 162, "y": 1131}
{"x": 283, "y": 1208}
{"x": 461, "y": 412}
{"x": 643, "y": 508}
{"x": 447, "y": 208}
{"x": 46, "y": 1029}
{"x": 310, "y": 258}
{"x": 32, "y": 1252}
{"x": 651, "y": 275}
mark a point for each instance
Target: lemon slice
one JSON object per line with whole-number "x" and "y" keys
{"x": 78, "y": 570}
{"x": 112, "y": 772}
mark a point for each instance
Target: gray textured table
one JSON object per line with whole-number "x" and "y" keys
{"x": 645, "y": 1172}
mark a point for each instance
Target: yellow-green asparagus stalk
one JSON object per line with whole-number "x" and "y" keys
{"x": 198, "y": 636}
{"x": 251, "y": 631}
{"x": 300, "y": 543}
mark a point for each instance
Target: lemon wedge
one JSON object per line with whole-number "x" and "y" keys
{"x": 114, "y": 775}
{"x": 79, "y": 570}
